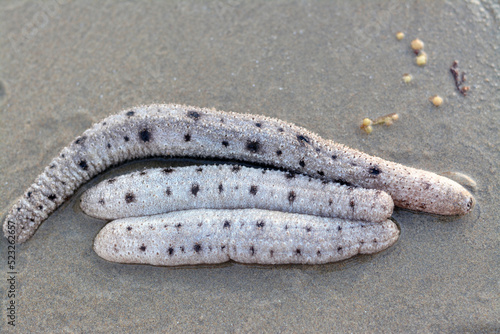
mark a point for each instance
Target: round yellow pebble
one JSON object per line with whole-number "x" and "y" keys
{"x": 421, "y": 59}
{"x": 417, "y": 45}
{"x": 367, "y": 122}
{"x": 368, "y": 129}
{"x": 400, "y": 35}
{"x": 436, "y": 100}
{"x": 407, "y": 78}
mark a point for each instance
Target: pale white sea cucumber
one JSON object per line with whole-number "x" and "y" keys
{"x": 177, "y": 130}
{"x": 207, "y": 236}
{"x": 161, "y": 190}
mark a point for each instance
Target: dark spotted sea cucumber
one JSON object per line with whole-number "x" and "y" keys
{"x": 248, "y": 236}
{"x": 163, "y": 190}
{"x": 177, "y": 130}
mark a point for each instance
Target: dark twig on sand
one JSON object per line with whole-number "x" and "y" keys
{"x": 459, "y": 78}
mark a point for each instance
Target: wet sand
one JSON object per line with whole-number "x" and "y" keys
{"x": 321, "y": 65}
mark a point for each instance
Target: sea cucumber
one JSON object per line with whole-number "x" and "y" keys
{"x": 205, "y": 236}
{"x": 161, "y": 190}
{"x": 177, "y": 130}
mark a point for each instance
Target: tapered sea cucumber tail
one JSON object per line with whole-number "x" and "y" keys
{"x": 411, "y": 188}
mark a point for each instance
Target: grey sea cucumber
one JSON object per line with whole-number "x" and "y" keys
{"x": 205, "y": 236}
{"x": 177, "y": 130}
{"x": 161, "y": 190}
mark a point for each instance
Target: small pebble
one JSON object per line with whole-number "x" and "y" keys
{"x": 407, "y": 78}
{"x": 400, "y": 35}
{"x": 421, "y": 59}
{"x": 436, "y": 100}
{"x": 417, "y": 45}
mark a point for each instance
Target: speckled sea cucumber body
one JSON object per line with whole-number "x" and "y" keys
{"x": 161, "y": 190}
{"x": 249, "y": 236}
{"x": 176, "y": 130}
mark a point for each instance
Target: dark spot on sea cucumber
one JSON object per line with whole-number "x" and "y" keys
{"x": 40, "y": 207}
{"x": 129, "y": 228}
{"x": 353, "y": 164}
{"x": 308, "y": 228}
{"x": 321, "y": 173}
{"x": 197, "y": 248}
{"x": 271, "y": 253}
{"x": 143, "y": 248}
{"x": 126, "y": 138}
{"x": 179, "y": 225}
{"x": 280, "y": 129}
{"x": 145, "y": 135}
{"x": 297, "y": 251}
{"x": 289, "y": 175}
{"x": 182, "y": 249}
{"x": 260, "y": 224}
{"x": 253, "y": 190}
{"x": 279, "y": 152}
{"x": 52, "y": 166}
{"x": 130, "y": 113}
{"x": 330, "y": 201}
{"x": 52, "y": 197}
{"x": 227, "y": 224}
{"x": 252, "y": 250}
{"x": 302, "y": 163}
{"x": 225, "y": 143}
{"x": 258, "y": 125}
{"x": 143, "y": 172}
{"x": 199, "y": 169}
{"x": 195, "y": 188}
{"x": 253, "y": 146}
{"x": 339, "y": 249}
{"x": 317, "y": 149}
{"x": 101, "y": 201}
{"x": 236, "y": 168}
{"x": 170, "y": 251}
{"x": 63, "y": 156}
{"x": 109, "y": 145}
{"x": 427, "y": 185}
{"x": 129, "y": 197}
{"x": 339, "y": 228}
{"x": 83, "y": 165}
{"x": 286, "y": 227}
{"x": 187, "y": 137}
{"x": 291, "y": 196}
{"x": 168, "y": 191}
{"x": 375, "y": 240}
{"x": 200, "y": 224}
{"x": 334, "y": 157}
{"x": 375, "y": 170}
{"x": 110, "y": 181}
{"x": 221, "y": 188}
{"x": 302, "y": 139}
{"x": 222, "y": 247}
{"x": 351, "y": 203}
{"x": 167, "y": 170}
{"x": 81, "y": 140}
{"x": 194, "y": 115}
{"x": 318, "y": 253}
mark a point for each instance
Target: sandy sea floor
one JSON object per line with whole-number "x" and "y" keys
{"x": 322, "y": 65}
